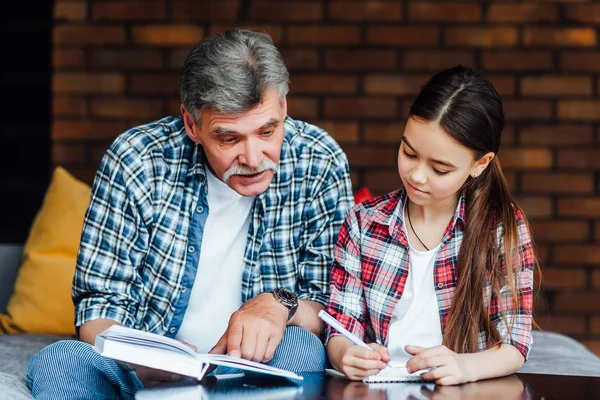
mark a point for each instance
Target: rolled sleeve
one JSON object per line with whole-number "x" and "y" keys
{"x": 114, "y": 239}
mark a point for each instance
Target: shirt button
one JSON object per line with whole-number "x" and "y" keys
{"x": 172, "y": 330}
{"x": 191, "y": 249}
{"x": 440, "y": 285}
{"x": 183, "y": 289}
{"x": 199, "y": 210}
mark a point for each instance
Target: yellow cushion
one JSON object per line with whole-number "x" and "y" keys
{"x": 41, "y": 299}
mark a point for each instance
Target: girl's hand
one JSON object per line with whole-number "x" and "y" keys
{"x": 358, "y": 363}
{"x": 449, "y": 368}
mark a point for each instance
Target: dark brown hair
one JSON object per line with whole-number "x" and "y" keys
{"x": 468, "y": 107}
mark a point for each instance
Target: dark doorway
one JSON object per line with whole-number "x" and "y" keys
{"x": 25, "y": 86}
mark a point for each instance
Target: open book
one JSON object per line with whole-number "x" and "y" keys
{"x": 160, "y": 352}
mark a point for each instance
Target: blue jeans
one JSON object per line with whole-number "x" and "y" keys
{"x": 70, "y": 369}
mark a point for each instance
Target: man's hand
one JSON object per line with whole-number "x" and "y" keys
{"x": 449, "y": 368}
{"x": 255, "y": 330}
{"x": 151, "y": 376}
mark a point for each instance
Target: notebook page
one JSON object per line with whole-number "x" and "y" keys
{"x": 395, "y": 374}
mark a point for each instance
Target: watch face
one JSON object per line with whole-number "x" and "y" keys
{"x": 288, "y": 298}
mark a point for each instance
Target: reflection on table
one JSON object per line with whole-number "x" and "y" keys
{"x": 320, "y": 386}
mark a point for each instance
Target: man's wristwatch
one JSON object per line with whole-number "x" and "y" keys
{"x": 287, "y": 298}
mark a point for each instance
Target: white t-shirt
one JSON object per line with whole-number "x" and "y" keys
{"x": 416, "y": 317}
{"x": 217, "y": 290}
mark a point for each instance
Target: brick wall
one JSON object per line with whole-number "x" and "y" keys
{"x": 355, "y": 67}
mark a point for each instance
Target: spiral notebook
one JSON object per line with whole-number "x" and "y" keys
{"x": 387, "y": 375}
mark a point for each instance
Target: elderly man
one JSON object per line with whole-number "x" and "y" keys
{"x": 216, "y": 228}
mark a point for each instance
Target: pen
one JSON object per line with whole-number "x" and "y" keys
{"x": 329, "y": 320}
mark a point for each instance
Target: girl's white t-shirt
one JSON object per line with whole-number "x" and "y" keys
{"x": 416, "y": 317}
{"x": 217, "y": 290}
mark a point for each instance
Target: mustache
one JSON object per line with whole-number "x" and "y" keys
{"x": 266, "y": 164}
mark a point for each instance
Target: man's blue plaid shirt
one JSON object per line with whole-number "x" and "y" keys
{"x": 143, "y": 229}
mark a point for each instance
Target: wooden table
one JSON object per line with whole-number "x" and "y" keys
{"x": 320, "y": 386}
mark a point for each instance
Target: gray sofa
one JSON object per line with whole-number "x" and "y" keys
{"x": 552, "y": 353}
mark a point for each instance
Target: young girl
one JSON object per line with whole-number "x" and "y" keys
{"x": 438, "y": 275}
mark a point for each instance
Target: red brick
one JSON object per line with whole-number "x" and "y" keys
{"x": 595, "y": 322}
{"x": 579, "y": 207}
{"x": 511, "y": 180}
{"x": 275, "y": 31}
{"x": 123, "y": 107}
{"x": 535, "y": 207}
{"x": 524, "y": 158}
{"x": 343, "y": 132}
{"x": 435, "y": 60}
{"x": 68, "y": 153}
{"x": 385, "y": 132}
{"x": 579, "y": 110}
{"x": 508, "y": 135}
{"x": 394, "y": 84}
{"x": 166, "y": 35}
{"x": 302, "y": 107}
{"x": 323, "y": 83}
{"x": 562, "y": 324}
{"x": 68, "y": 58}
{"x": 579, "y": 159}
{"x": 206, "y": 11}
{"x": 86, "y": 130}
{"x": 177, "y": 58}
{"x": 402, "y": 35}
{"x": 539, "y": 36}
{"x": 504, "y": 84}
{"x": 69, "y": 106}
{"x": 360, "y": 107}
{"x": 436, "y": 12}
{"x": 527, "y": 109}
{"x": 597, "y": 232}
{"x": 72, "y": 11}
{"x": 515, "y": 60}
{"x": 481, "y": 37}
{"x": 596, "y": 281}
{"x": 578, "y": 302}
{"x": 556, "y": 134}
{"x": 522, "y": 13}
{"x": 560, "y": 231}
{"x": 322, "y": 35}
{"x": 129, "y": 10}
{"x": 365, "y": 11}
{"x": 102, "y": 35}
{"x": 356, "y": 178}
{"x": 72, "y": 82}
{"x": 564, "y": 278}
{"x": 585, "y": 13}
{"x": 174, "y": 106}
{"x": 553, "y": 182}
{"x": 382, "y": 180}
{"x": 554, "y": 85}
{"x": 369, "y": 156}
{"x": 300, "y": 58}
{"x": 155, "y": 83}
{"x": 580, "y": 61}
{"x": 360, "y": 59}
{"x": 127, "y": 59}
{"x": 98, "y": 151}
{"x": 288, "y": 11}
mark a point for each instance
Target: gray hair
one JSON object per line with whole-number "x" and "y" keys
{"x": 231, "y": 71}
